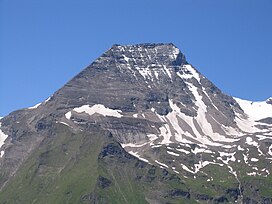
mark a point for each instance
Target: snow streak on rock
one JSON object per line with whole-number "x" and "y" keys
{"x": 36, "y": 106}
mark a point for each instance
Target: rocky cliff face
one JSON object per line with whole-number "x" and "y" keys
{"x": 164, "y": 114}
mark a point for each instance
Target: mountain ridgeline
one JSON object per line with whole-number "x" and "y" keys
{"x": 139, "y": 125}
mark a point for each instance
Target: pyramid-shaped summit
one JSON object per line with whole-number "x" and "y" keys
{"x": 137, "y": 68}
{"x": 138, "y": 78}
{"x": 144, "y": 60}
{"x": 140, "y": 116}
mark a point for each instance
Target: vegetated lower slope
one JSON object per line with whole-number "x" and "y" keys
{"x": 66, "y": 169}
{"x": 91, "y": 167}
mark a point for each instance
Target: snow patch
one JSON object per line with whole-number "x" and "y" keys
{"x": 250, "y": 141}
{"x": 199, "y": 166}
{"x": 68, "y": 115}
{"x": 176, "y": 171}
{"x": 245, "y": 158}
{"x": 100, "y": 109}
{"x": 135, "y": 154}
{"x": 63, "y": 123}
{"x": 200, "y": 150}
{"x": 255, "y": 110}
{"x": 34, "y": 107}
{"x": 165, "y": 131}
{"x": 152, "y": 137}
{"x": 190, "y": 72}
{"x": 2, "y": 153}
{"x": 37, "y": 105}
{"x": 3, "y": 137}
{"x": 172, "y": 128}
{"x": 262, "y": 137}
{"x": 227, "y": 157}
{"x": 173, "y": 153}
{"x": 184, "y": 167}
{"x": 133, "y": 145}
{"x": 167, "y": 71}
{"x": 145, "y": 72}
{"x": 240, "y": 148}
{"x": 183, "y": 151}
{"x": 254, "y": 159}
{"x": 162, "y": 164}
{"x": 156, "y": 146}
{"x": 126, "y": 58}
{"x": 270, "y": 150}
{"x": 48, "y": 99}
{"x": 202, "y": 120}
{"x": 252, "y": 174}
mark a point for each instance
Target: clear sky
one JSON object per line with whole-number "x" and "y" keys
{"x": 45, "y": 43}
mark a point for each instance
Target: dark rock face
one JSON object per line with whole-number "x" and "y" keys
{"x": 43, "y": 124}
{"x": 250, "y": 201}
{"x": 269, "y": 101}
{"x": 204, "y": 197}
{"x": 180, "y": 193}
{"x": 221, "y": 199}
{"x": 266, "y": 200}
{"x": 266, "y": 120}
{"x": 104, "y": 182}
{"x": 116, "y": 150}
{"x": 233, "y": 193}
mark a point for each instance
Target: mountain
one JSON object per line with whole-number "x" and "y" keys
{"x": 139, "y": 125}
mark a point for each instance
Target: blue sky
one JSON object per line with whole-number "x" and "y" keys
{"x": 45, "y": 43}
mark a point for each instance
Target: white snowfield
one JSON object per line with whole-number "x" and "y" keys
{"x": 3, "y": 137}
{"x": 255, "y": 110}
{"x": 100, "y": 109}
{"x": 97, "y": 108}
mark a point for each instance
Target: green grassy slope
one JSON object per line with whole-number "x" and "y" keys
{"x": 90, "y": 167}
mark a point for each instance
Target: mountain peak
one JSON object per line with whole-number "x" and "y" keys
{"x": 141, "y": 111}
{"x": 146, "y": 45}
{"x": 145, "y": 54}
